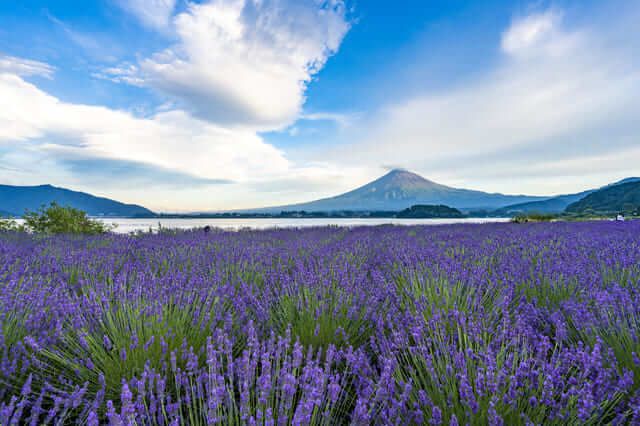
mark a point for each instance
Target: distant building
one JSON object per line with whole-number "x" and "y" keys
{"x": 620, "y": 218}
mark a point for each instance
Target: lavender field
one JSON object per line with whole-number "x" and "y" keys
{"x": 441, "y": 325}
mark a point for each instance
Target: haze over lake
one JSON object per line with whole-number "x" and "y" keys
{"x": 126, "y": 225}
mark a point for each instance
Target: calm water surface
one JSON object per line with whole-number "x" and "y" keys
{"x": 132, "y": 225}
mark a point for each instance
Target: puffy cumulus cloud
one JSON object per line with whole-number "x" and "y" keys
{"x": 154, "y": 14}
{"x": 245, "y": 62}
{"x": 172, "y": 140}
{"x": 25, "y": 67}
{"x": 557, "y": 93}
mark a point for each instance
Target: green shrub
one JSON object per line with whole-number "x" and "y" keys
{"x": 534, "y": 217}
{"x": 126, "y": 339}
{"x": 429, "y": 293}
{"x": 619, "y": 332}
{"x": 57, "y": 219}
{"x": 320, "y": 319}
{"x": 9, "y": 225}
{"x": 12, "y": 334}
{"x": 428, "y": 365}
{"x": 549, "y": 294}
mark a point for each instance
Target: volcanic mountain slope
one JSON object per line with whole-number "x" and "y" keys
{"x": 400, "y": 189}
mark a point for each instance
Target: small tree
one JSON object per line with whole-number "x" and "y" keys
{"x": 9, "y": 225}
{"x": 57, "y": 219}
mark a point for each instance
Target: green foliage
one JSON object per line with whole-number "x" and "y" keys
{"x": 13, "y": 332}
{"x": 321, "y": 319}
{"x": 428, "y": 293}
{"x": 429, "y": 371}
{"x": 430, "y": 211}
{"x": 10, "y": 225}
{"x": 548, "y": 294}
{"x": 618, "y": 331}
{"x": 448, "y": 342}
{"x": 57, "y": 219}
{"x": 623, "y": 198}
{"x": 126, "y": 339}
{"x": 534, "y": 217}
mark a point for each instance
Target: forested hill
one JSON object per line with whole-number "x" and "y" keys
{"x": 624, "y": 197}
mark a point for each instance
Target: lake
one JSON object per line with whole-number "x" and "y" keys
{"x": 132, "y": 225}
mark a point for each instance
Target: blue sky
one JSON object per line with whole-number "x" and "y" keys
{"x": 222, "y": 104}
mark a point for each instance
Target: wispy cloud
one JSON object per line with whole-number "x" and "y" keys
{"x": 96, "y": 45}
{"x": 124, "y": 73}
{"x": 531, "y": 30}
{"x": 341, "y": 119}
{"x": 154, "y": 14}
{"x": 25, "y": 67}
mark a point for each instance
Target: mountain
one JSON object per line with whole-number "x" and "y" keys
{"x": 622, "y": 197}
{"x": 626, "y": 180}
{"x": 555, "y": 204}
{"x": 15, "y": 200}
{"x": 550, "y": 205}
{"x": 401, "y": 189}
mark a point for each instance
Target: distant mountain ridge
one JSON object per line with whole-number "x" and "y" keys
{"x": 559, "y": 203}
{"x": 400, "y": 189}
{"x": 551, "y": 205}
{"x": 394, "y": 192}
{"x": 15, "y": 200}
{"x": 621, "y": 197}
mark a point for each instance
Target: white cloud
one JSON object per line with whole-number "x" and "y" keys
{"x": 154, "y": 14}
{"x": 342, "y": 120}
{"x": 172, "y": 140}
{"x": 96, "y": 45}
{"x": 557, "y": 93}
{"x": 245, "y": 62}
{"x": 237, "y": 67}
{"x": 530, "y": 31}
{"x": 25, "y": 67}
{"x": 44, "y": 134}
{"x": 124, "y": 73}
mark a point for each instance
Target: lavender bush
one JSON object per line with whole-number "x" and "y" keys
{"x": 448, "y": 325}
